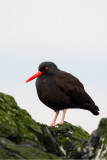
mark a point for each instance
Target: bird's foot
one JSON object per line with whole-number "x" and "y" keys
{"x": 61, "y": 122}
{"x": 52, "y": 124}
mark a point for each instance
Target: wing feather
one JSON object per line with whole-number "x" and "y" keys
{"x": 73, "y": 88}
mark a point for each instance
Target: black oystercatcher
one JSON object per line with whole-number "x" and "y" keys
{"x": 60, "y": 90}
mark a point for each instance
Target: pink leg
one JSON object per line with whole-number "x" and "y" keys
{"x": 63, "y": 116}
{"x": 53, "y": 122}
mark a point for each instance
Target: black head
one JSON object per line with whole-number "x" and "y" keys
{"x": 45, "y": 68}
{"x": 48, "y": 68}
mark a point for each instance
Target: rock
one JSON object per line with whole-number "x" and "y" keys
{"x": 19, "y": 134}
{"x": 96, "y": 148}
{"x": 23, "y": 138}
{"x": 71, "y": 138}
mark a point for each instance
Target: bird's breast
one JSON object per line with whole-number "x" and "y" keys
{"x": 43, "y": 85}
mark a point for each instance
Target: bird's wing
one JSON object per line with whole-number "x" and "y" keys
{"x": 72, "y": 88}
{"x": 69, "y": 78}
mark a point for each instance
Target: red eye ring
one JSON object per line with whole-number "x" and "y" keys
{"x": 46, "y": 67}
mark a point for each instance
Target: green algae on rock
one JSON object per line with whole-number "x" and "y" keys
{"x": 19, "y": 133}
{"x": 71, "y": 137}
{"x": 16, "y": 123}
{"x": 96, "y": 148}
{"x": 23, "y": 138}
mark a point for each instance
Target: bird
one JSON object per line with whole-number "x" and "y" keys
{"x": 60, "y": 90}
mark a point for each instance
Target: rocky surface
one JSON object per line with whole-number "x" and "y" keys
{"x": 96, "y": 148}
{"x": 23, "y": 138}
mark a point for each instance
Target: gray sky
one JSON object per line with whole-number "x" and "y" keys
{"x": 72, "y": 34}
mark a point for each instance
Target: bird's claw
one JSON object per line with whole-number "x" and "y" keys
{"x": 61, "y": 122}
{"x": 52, "y": 124}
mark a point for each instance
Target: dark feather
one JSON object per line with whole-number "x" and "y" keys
{"x": 74, "y": 90}
{"x": 60, "y": 90}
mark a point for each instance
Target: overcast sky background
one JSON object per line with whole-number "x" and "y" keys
{"x": 70, "y": 33}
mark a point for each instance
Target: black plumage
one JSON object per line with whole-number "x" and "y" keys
{"x": 61, "y": 90}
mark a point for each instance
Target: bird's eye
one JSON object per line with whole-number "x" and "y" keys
{"x": 46, "y": 67}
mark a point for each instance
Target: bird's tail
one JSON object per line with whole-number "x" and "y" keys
{"x": 92, "y": 108}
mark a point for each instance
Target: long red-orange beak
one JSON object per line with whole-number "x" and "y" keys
{"x": 34, "y": 76}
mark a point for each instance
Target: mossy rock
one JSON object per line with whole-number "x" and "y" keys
{"x": 25, "y": 150}
{"x": 19, "y": 133}
{"x": 16, "y": 123}
{"x": 96, "y": 148}
{"x": 72, "y": 138}
{"x": 23, "y": 138}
